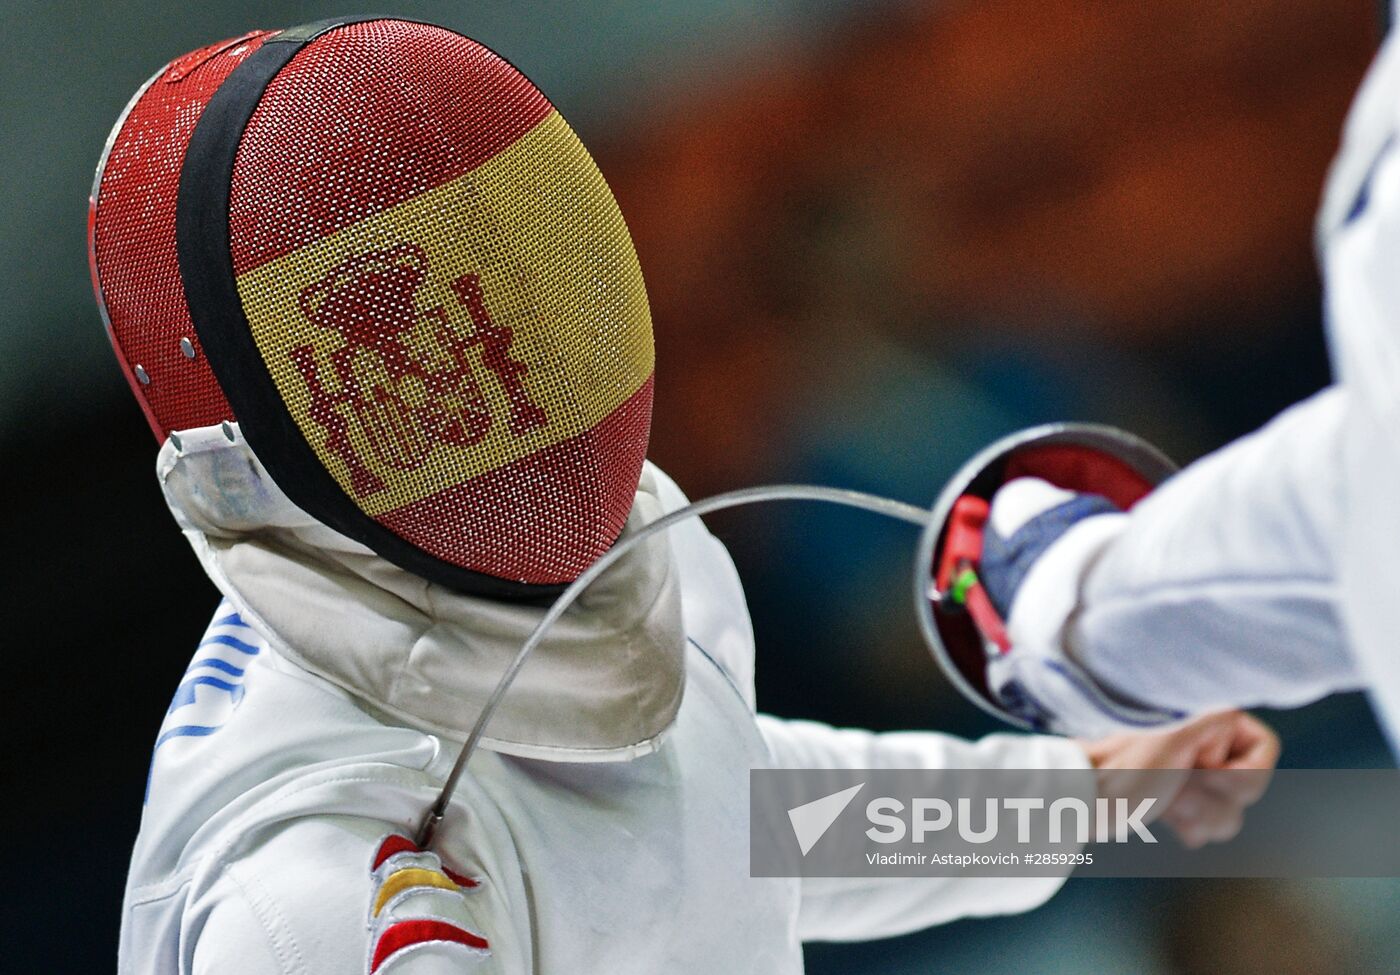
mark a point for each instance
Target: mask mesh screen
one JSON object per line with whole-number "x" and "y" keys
{"x": 445, "y": 294}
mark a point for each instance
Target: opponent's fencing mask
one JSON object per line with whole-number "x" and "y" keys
{"x": 376, "y": 246}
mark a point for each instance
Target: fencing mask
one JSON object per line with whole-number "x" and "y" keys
{"x": 376, "y": 247}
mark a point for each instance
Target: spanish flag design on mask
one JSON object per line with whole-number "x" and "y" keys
{"x": 449, "y": 331}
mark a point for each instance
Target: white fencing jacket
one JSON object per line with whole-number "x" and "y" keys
{"x": 603, "y": 827}
{"x": 1269, "y": 572}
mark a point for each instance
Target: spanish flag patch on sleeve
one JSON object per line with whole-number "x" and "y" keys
{"x": 417, "y": 905}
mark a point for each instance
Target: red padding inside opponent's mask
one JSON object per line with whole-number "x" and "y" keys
{"x": 1081, "y": 469}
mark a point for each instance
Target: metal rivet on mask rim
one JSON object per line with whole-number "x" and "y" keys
{"x": 141, "y": 376}
{"x": 175, "y": 439}
{"x": 187, "y": 347}
{"x": 228, "y": 430}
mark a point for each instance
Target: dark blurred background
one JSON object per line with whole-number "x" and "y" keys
{"x": 876, "y": 235}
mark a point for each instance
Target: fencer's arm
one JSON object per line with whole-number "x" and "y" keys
{"x": 301, "y": 900}
{"x": 850, "y": 909}
{"x": 1219, "y": 591}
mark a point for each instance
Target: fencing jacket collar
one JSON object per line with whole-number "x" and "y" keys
{"x": 604, "y": 686}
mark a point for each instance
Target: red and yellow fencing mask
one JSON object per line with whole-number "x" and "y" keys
{"x": 377, "y": 247}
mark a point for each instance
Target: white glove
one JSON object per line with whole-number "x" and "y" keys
{"x": 1039, "y": 544}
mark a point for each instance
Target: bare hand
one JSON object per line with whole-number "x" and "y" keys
{"x": 1201, "y": 807}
